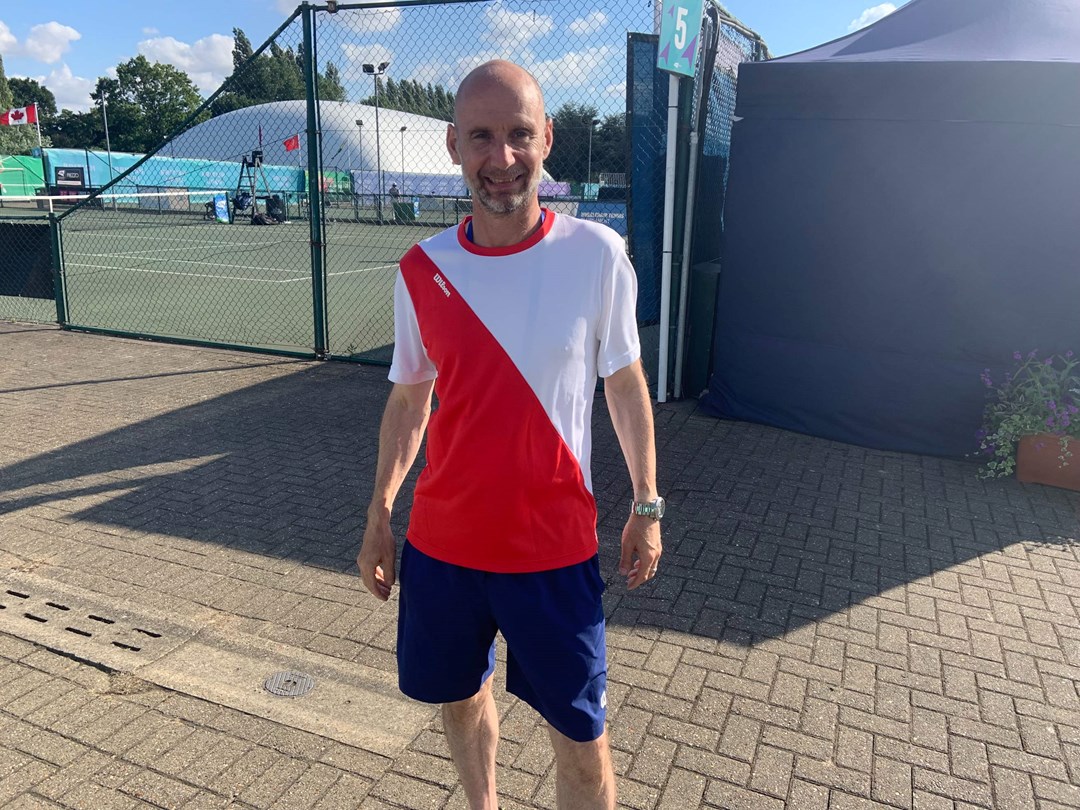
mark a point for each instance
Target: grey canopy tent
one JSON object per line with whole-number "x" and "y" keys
{"x": 903, "y": 211}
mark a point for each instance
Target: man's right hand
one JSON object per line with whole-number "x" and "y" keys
{"x": 376, "y": 559}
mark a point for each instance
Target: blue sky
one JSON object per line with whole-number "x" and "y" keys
{"x": 68, "y": 44}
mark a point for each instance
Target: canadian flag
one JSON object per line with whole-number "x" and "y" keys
{"x": 292, "y": 143}
{"x": 20, "y": 115}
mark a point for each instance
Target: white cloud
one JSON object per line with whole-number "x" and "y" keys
{"x": 511, "y": 31}
{"x": 150, "y": 31}
{"x": 72, "y": 92}
{"x": 871, "y": 16}
{"x": 369, "y": 21}
{"x": 286, "y": 7}
{"x": 588, "y": 25}
{"x": 616, "y": 90}
{"x": 8, "y": 43}
{"x": 207, "y": 61}
{"x": 49, "y": 41}
{"x": 574, "y": 69}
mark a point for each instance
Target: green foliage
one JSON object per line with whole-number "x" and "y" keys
{"x": 1038, "y": 396}
{"x": 74, "y": 130}
{"x": 16, "y": 140}
{"x": 5, "y": 90}
{"x": 274, "y": 76}
{"x": 28, "y": 91}
{"x": 569, "y": 158}
{"x": 147, "y": 102}
{"x": 412, "y": 97}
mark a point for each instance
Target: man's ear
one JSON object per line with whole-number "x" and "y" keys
{"x": 549, "y": 134}
{"x": 451, "y": 144}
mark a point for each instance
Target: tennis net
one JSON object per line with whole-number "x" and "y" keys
{"x": 149, "y": 208}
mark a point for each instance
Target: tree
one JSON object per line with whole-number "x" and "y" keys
{"x": 28, "y": 91}
{"x": 569, "y": 158}
{"x": 410, "y": 96}
{"x": 274, "y": 76}
{"x": 14, "y": 140}
{"x": 74, "y": 130}
{"x": 330, "y": 86}
{"x": 147, "y": 102}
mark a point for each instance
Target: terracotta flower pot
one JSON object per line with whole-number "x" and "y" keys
{"x": 1038, "y": 461}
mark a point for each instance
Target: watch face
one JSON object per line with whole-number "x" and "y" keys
{"x": 661, "y": 507}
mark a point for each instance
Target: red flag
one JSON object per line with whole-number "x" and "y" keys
{"x": 292, "y": 143}
{"x": 18, "y": 116}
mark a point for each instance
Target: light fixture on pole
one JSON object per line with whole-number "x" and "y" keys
{"x": 403, "y": 158}
{"x": 588, "y": 174}
{"x": 376, "y": 71}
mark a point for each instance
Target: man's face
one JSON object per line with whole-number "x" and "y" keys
{"x": 500, "y": 141}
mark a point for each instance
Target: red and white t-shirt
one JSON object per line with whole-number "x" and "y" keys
{"x": 514, "y": 338}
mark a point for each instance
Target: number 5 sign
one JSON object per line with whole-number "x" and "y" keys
{"x": 680, "y": 31}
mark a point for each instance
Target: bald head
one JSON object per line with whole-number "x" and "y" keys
{"x": 498, "y": 75}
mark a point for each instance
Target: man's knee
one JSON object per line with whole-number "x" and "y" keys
{"x": 470, "y": 706}
{"x": 585, "y": 762}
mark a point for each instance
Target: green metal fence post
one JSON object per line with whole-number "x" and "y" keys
{"x": 314, "y": 184}
{"x": 59, "y": 282}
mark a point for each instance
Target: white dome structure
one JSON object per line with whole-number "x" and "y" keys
{"x": 347, "y": 146}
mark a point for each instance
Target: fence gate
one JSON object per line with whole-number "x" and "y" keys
{"x": 274, "y": 217}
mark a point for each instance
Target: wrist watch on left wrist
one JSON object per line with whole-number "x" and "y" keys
{"x": 651, "y": 509}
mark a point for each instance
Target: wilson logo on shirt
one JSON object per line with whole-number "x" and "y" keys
{"x": 442, "y": 285}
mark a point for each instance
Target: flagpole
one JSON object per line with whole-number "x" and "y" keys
{"x": 41, "y": 149}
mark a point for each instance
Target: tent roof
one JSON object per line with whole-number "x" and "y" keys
{"x": 962, "y": 31}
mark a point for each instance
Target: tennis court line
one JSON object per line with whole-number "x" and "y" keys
{"x": 225, "y": 278}
{"x": 190, "y": 261}
{"x": 180, "y": 273}
{"x": 349, "y": 272}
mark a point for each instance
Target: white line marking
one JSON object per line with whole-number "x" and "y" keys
{"x": 223, "y": 278}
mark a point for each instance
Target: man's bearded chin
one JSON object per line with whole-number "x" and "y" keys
{"x": 504, "y": 205}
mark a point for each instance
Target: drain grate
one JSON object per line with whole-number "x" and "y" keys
{"x": 289, "y": 684}
{"x": 89, "y": 625}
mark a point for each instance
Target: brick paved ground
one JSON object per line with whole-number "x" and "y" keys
{"x": 833, "y": 627}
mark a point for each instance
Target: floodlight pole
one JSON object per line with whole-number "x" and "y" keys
{"x": 588, "y": 174}
{"x": 403, "y": 159}
{"x": 376, "y": 71}
{"x": 108, "y": 145}
{"x": 359, "y": 197}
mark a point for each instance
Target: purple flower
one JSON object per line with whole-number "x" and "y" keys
{"x": 1069, "y": 353}
{"x": 1049, "y": 361}
{"x": 1074, "y": 409}
{"x": 1032, "y": 353}
{"x": 1050, "y": 421}
{"x": 1017, "y": 356}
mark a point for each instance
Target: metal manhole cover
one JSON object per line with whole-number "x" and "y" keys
{"x": 289, "y": 684}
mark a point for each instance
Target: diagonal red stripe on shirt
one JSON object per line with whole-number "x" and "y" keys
{"x": 501, "y": 490}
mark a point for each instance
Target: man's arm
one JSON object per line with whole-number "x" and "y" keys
{"x": 628, "y": 401}
{"x": 402, "y": 429}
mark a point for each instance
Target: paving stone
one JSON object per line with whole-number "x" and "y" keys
{"x": 836, "y": 628}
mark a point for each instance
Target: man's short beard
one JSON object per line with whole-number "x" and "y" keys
{"x": 506, "y": 205}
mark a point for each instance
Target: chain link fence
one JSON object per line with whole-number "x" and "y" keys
{"x": 27, "y": 292}
{"x": 275, "y": 217}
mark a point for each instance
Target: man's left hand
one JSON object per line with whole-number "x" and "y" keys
{"x": 641, "y": 550}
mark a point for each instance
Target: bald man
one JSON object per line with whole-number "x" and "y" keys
{"x": 510, "y": 318}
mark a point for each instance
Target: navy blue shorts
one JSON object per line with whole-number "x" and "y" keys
{"x": 553, "y": 623}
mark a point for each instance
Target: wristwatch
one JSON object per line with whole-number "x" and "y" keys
{"x": 651, "y": 509}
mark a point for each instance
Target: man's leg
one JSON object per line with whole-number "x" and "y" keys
{"x": 584, "y": 777}
{"x": 472, "y": 730}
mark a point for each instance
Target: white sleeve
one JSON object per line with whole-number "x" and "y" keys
{"x": 617, "y": 332}
{"x": 411, "y": 363}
